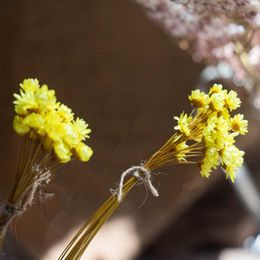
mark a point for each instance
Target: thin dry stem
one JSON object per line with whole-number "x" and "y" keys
{"x": 35, "y": 167}
{"x": 80, "y": 242}
{"x": 166, "y": 155}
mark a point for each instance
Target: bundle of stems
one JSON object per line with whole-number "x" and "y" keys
{"x": 35, "y": 167}
{"x": 51, "y": 138}
{"x": 80, "y": 242}
{"x": 205, "y": 139}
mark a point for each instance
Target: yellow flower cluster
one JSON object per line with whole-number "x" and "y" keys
{"x": 40, "y": 115}
{"x": 212, "y": 130}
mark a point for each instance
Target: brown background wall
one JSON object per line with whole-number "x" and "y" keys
{"x": 124, "y": 75}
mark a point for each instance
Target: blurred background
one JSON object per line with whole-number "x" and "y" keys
{"x": 127, "y": 76}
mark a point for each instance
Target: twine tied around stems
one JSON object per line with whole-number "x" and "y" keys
{"x": 142, "y": 175}
{"x": 13, "y": 208}
{"x": 7, "y": 212}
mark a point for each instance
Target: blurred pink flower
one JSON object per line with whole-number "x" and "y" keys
{"x": 213, "y": 30}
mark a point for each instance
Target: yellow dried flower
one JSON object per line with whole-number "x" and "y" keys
{"x": 217, "y": 101}
{"x": 210, "y": 161}
{"x": 19, "y": 126}
{"x": 216, "y": 88}
{"x": 24, "y": 102}
{"x": 220, "y": 131}
{"x": 35, "y": 121}
{"x": 30, "y": 85}
{"x": 232, "y": 159}
{"x": 183, "y": 123}
{"x": 51, "y": 137}
{"x": 210, "y": 133}
{"x": 181, "y": 150}
{"x": 81, "y": 129}
{"x": 238, "y": 124}
{"x": 65, "y": 113}
{"x": 84, "y": 152}
{"x": 62, "y": 151}
{"x": 232, "y": 101}
{"x": 198, "y": 98}
{"x": 38, "y": 112}
{"x": 45, "y": 99}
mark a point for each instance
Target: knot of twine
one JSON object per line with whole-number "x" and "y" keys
{"x": 7, "y": 212}
{"x": 142, "y": 175}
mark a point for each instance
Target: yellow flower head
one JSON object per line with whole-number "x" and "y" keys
{"x": 216, "y": 88}
{"x": 40, "y": 115}
{"x": 30, "y": 85}
{"x": 232, "y": 159}
{"x": 198, "y": 98}
{"x": 183, "y": 123}
{"x": 81, "y": 128}
{"x": 232, "y": 101}
{"x": 217, "y": 100}
{"x": 219, "y": 132}
{"x": 238, "y": 124}
{"x": 181, "y": 150}
{"x": 65, "y": 113}
{"x": 211, "y": 131}
{"x": 211, "y": 161}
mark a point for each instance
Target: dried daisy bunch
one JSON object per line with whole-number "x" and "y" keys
{"x": 206, "y": 138}
{"x": 51, "y": 138}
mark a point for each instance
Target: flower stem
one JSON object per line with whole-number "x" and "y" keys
{"x": 81, "y": 240}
